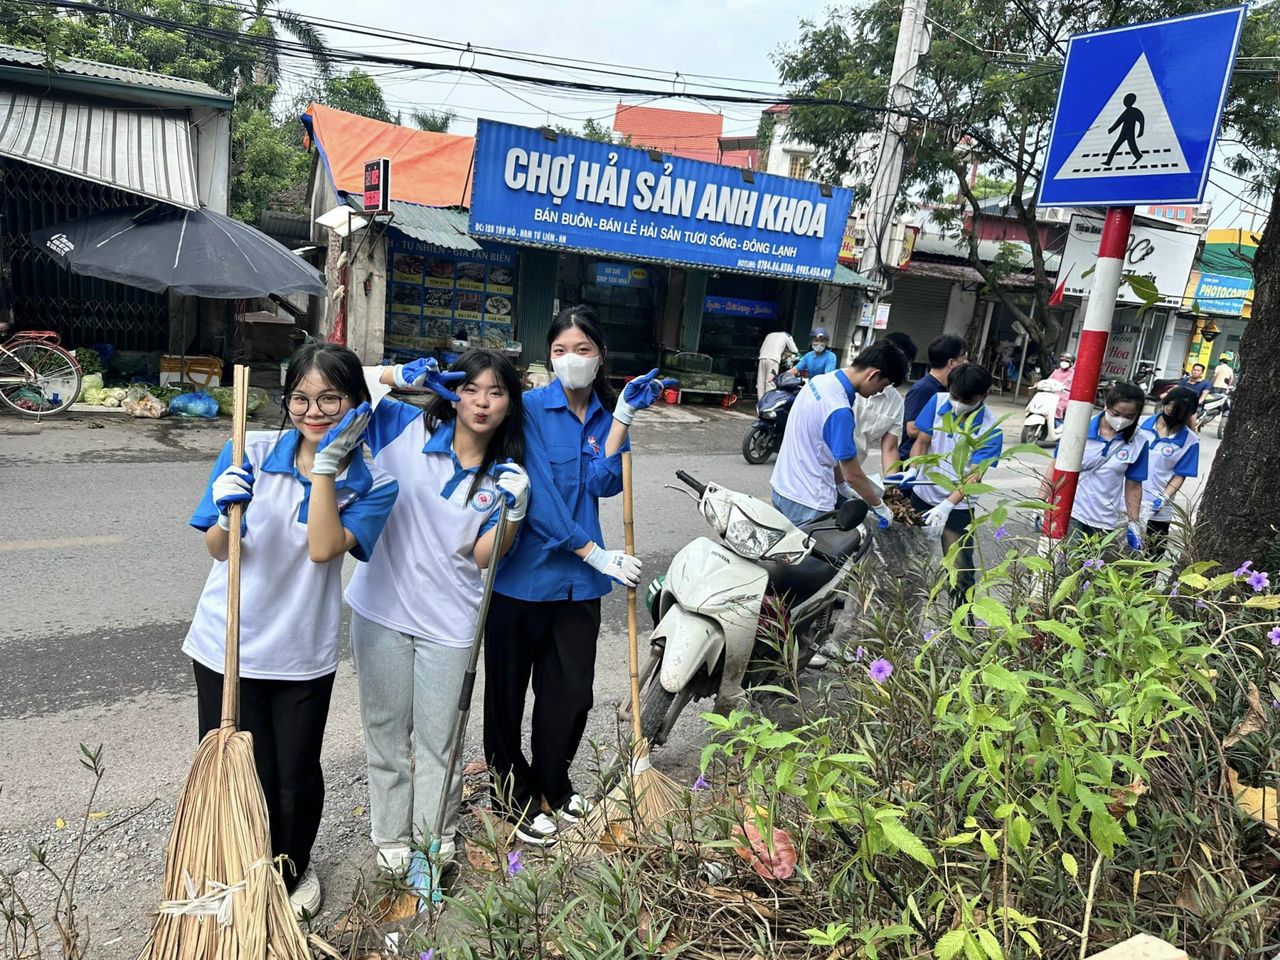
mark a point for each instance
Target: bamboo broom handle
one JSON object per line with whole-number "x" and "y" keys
{"x": 633, "y": 625}
{"x": 231, "y": 665}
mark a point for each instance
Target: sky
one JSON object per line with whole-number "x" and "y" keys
{"x": 726, "y": 43}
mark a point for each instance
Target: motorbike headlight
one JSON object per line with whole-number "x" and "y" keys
{"x": 748, "y": 538}
{"x": 715, "y": 508}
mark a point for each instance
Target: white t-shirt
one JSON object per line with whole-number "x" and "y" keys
{"x": 1167, "y": 457}
{"x": 423, "y": 579}
{"x": 875, "y": 417}
{"x": 1106, "y": 466}
{"x": 776, "y": 344}
{"x": 820, "y": 434}
{"x": 290, "y": 606}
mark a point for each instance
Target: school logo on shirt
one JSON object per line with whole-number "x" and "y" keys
{"x": 1122, "y": 456}
{"x": 1168, "y": 451}
{"x": 595, "y": 444}
{"x": 482, "y": 501}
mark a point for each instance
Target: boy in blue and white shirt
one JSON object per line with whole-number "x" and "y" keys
{"x": 949, "y": 512}
{"x": 820, "y": 435}
{"x": 1173, "y": 454}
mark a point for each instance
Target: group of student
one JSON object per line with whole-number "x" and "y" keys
{"x": 413, "y": 493}
{"x": 1131, "y": 473}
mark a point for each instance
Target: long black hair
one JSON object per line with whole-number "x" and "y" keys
{"x": 507, "y": 442}
{"x": 1184, "y": 402}
{"x": 584, "y": 318}
{"x": 1122, "y": 391}
{"x": 339, "y": 367}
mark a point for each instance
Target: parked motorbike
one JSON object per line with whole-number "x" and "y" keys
{"x": 1040, "y": 424}
{"x": 1214, "y": 406}
{"x": 764, "y": 437}
{"x": 716, "y": 610}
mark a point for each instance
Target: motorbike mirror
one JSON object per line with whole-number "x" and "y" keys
{"x": 850, "y": 514}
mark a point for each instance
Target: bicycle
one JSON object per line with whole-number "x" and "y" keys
{"x": 38, "y": 377}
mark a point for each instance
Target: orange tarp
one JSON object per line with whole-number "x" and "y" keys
{"x": 432, "y": 169}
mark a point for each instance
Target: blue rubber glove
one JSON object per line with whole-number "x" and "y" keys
{"x": 1157, "y": 504}
{"x": 1133, "y": 535}
{"x": 233, "y": 485}
{"x": 884, "y": 516}
{"x": 344, "y": 437}
{"x": 513, "y": 483}
{"x": 638, "y": 394}
{"x": 425, "y": 374}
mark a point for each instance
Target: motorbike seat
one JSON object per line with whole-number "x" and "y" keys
{"x": 798, "y": 581}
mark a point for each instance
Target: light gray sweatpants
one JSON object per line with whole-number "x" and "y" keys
{"x": 409, "y": 689}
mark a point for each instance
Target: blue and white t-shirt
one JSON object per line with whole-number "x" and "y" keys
{"x": 1167, "y": 457}
{"x": 423, "y": 578}
{"x": 982, "y": 422}
{"x": 290, "y": 606}
{"x": 1106, "y": 466}
{"x": 820, "y": 434}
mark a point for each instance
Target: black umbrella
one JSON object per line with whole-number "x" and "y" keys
{"x": 194, "y": 252}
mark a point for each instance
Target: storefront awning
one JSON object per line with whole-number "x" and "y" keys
{"x": 443, "y": 226}
{"x": 147, "y": 152}
{"x": 845, "y": 277}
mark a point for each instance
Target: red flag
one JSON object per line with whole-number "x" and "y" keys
{"x": 1055, "y": 299}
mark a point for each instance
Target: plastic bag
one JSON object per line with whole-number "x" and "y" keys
{"x": 225, "y": 396}
{"x": 194, "y": 405}
{"x": 90, "y": 383}
{"x": 140, "y": 403}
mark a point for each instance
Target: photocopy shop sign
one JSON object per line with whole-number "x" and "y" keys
{"x": 575, "y": 194}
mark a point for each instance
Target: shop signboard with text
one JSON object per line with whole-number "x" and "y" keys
{"x": 1223, "y": 295}
{"x": 1162, "y": 256}
{"x": 739, "y": 307}
{"x": 568, "y": 193}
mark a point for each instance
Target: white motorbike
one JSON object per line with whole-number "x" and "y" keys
{"x": 718, "y": 608}
{"x": 1040, "y": 425}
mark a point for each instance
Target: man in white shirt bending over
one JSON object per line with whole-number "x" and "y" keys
{"x": 775, "y": 346}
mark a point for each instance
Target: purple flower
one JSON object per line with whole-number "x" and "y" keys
{"x": 1201, "y": 605}
{"x": 1001, "y": 533}
{"x": 1085, "y": 584}
{"x": 1259, "y": 581}
{"x": 700, "y": 784}
{"x": 929, "y": 635}
{"x": 1095, "y": 564}
{"x": 514, "y": 863}
{"x": 1274, "y": 636}
{"x": 859, "y": 653}
{"x": 427, "y": 954}
{"x": 1275, "y": 704}
{"x": 880, "y": 670}
{"x": 1244, "y": 568}
{"x": 1174, "y": 591}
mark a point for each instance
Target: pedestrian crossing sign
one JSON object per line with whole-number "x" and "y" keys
{"x": 1138, "y": 112}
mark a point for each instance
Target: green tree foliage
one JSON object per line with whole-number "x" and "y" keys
{"x": 355, "y": 92}
{"x": 433, "y": 121}
{"x": 985, "y": 93}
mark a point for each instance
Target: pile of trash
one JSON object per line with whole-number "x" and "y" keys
{"x": 148, "y": 400}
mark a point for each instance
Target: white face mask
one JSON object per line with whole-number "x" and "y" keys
{"x": 961, "y": 409}
{"x": 1065, "y": 364}
{"x": 575, "y": 372}
{"x": 819, "y": 347}
{"x": 1118, "y": 423}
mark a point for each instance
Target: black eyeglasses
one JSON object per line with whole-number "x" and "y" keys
{"x": 299, "y": 403}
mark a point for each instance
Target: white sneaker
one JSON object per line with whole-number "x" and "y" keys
{"x": 541, "y": 831}
{"x": 307, "y": 895}
{"x": 818, "y": 661}
{"x": 394, "y": 859}
{"x": 574, "y": 809}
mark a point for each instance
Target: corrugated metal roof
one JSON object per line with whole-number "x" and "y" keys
{"x": 443, "y": 226}
{"x": 24, "y": 57}
{"x": 147, "y": 152}
{"x": 845, "y": 277}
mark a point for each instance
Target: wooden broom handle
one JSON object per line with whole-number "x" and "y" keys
{"x": 231, "y": 665}
{"x": 633, "y": 624}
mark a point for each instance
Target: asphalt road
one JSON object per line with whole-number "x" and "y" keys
{"x": 100, "y": 576}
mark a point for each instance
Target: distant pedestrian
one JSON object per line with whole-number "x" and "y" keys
{"x": 1224, "y": 374}
{"x": 1064, "y": 373}
{"x": 773, "y": 349}
{"x": 1173, "y": 455}
{"x": 1196, "y": 382}
{"x": 819, "y": 359}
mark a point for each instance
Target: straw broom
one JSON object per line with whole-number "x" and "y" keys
{"x": 644, "y": 796}
{"x": 224, "y": 899}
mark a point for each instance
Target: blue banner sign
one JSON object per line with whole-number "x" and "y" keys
{"x": 621, "y": 275}
{"x": 739, "y": 307}
{"x": 1218, "y": 293}
{"x": 573, "y": 194}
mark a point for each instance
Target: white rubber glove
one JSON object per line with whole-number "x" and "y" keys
{"x": 845, "y": 490}
{"x": 344, "y": 437}
{"x": 618, "y": 566}
{"x": 936, "y": 518}
{"x": 233, "y": 485}
{"x": 884, "y": 516}
{"x": 514, "y": 484}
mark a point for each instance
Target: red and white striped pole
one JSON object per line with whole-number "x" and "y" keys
{"x": 1084, "y": 385}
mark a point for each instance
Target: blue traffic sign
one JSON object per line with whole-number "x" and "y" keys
{"x": 1138, "y": 112}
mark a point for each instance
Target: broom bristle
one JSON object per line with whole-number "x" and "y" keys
{"x": 220, "y": 840}
{"x": 643, "y": 797}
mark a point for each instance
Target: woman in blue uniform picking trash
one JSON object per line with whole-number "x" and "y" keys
{"x": 309, "y": 497}
{"x": 1112, "y": 471}
{"x": 415, "y": 603}
{"x": 1173, "y": 454}
{"x": 544, "y": 618}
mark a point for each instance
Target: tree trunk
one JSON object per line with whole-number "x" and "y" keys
{"x": 1239, "y": 515}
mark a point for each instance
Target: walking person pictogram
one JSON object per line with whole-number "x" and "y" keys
{"x": 1132, "y": 124}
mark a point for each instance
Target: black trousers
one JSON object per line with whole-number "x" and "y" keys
{"x": 1157, "y": 538}
{"x": 554, "y": 644}
{"x": 287, "y": 720}
{"x": 956, "y": 532}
